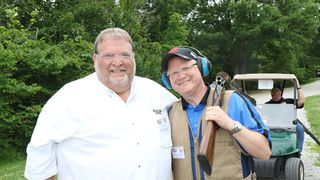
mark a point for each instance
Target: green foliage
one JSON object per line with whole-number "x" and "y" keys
{"x": 148, "y": 61}
{"x": 31, "y": 71}
{"x": 176, "y": 33}
{"x": 256, "y": 36}
{"x": 155, "y": 15}
{"x": 297, "y": 25}
{"x": 45, "y": 44}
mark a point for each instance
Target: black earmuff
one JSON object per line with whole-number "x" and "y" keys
{"x": 204, "y": 66}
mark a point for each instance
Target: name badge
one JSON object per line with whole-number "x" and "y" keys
{"x": 178, "y": 153}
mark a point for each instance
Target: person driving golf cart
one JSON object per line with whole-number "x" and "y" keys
{"x": 276, "y": 98}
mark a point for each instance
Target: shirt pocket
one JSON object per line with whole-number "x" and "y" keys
{"x": 164, "y": 127}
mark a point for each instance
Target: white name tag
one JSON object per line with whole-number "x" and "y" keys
{"x": 178, "y": 153}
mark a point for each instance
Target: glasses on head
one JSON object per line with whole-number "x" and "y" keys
{"x": 111, "y": 56}
{"x": 184, "y": 69}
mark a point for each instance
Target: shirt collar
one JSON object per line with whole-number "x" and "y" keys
{"x": 203, "y": 100}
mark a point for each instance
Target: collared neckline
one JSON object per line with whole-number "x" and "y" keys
{"x": 203, "y": 100}
{"x": 111, "y": 93}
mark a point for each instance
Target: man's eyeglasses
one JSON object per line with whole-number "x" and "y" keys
{"x": 184, "y": 69}
{"x": 122, "y": 56}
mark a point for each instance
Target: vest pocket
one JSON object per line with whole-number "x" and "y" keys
{"x": 227, "y": 157}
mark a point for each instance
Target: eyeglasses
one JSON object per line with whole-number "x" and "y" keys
{"x": 275, "y": 90}
{"x": 122, "y": 56}
{"x": 184, "y": 69}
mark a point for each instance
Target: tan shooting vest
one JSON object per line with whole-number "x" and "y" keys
{"x": 227, "y": 158}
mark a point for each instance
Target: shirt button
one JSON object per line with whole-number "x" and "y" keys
{"x": 139, "y": 166}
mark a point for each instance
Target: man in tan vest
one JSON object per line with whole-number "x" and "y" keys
{"x": 241, "y": 136}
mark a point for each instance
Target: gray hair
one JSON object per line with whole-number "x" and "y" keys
{"x": 112, "y": 32}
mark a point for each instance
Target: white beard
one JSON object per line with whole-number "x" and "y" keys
{"x": 121, "y": 82}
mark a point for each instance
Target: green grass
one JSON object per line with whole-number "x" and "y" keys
{"x": 312, "y": 107}
{"x": 12, "y": 169}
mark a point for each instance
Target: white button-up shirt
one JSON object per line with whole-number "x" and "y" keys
{"x": 86, "y": 131}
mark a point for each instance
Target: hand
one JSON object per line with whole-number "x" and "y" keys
{"x": 216, "y": 114}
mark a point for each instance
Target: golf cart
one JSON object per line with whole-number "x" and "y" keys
{"x": 285, "y": 162}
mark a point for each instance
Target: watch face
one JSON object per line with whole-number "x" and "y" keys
{"x": 237, "y": 128}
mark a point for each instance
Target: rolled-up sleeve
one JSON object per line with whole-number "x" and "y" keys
{"x": 239, "y": 110}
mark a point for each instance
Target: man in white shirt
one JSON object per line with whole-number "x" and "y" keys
{"x": 108, "y": 125}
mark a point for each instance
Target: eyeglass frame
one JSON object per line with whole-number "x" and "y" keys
{"x": 184, "y": 69}
{"x": 123, "y": 56}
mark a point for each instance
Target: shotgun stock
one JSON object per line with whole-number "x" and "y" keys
{"x": 206, "y": 151}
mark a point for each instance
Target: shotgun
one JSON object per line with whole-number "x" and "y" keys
{"x": 309, "y": 132}
{"x": 206, "y": 151}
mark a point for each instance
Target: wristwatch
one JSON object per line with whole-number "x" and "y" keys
{"x": 237, "y": 128}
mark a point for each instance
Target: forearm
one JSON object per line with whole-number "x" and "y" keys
{"x": 300, "y": 94}
{"x": 254, "y": 143}
{"x": 300, "y": 97}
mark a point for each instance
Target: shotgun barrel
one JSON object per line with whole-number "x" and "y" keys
{"x": 309, "y": 132}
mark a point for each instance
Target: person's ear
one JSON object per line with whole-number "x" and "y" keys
{"x": 94, "y": 57}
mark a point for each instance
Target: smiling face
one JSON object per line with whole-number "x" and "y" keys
{"x": 114, "y": 63}
{"x": 185, "y": 77}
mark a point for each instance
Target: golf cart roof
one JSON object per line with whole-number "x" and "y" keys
{"x": 264, "y": 76}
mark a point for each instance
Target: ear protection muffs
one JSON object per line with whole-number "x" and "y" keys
{"x": 165, "y": 80}
{"x": 204, "y": 65}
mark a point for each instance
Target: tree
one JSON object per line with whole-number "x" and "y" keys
{"x": 176, "y": 33}
{"x": 31, "y": 71}
{"x": 45, "y": 44}
{"x": 255, "y": 36}
{"x": 297, "y": 26}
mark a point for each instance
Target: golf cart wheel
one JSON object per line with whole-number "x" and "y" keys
{"x": 294, "y": 169}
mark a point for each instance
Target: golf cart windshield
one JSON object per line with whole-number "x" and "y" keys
{"x": 278, "y": 116}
